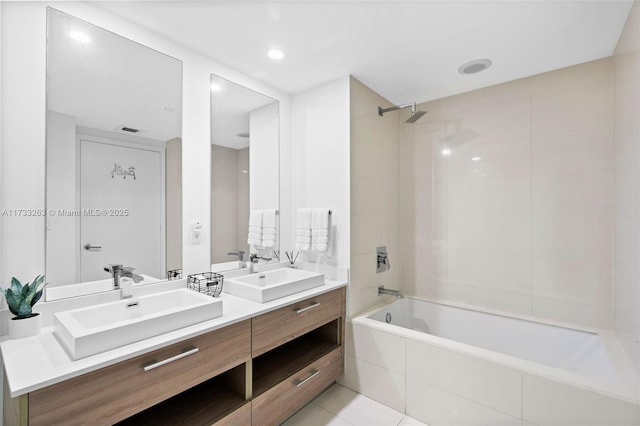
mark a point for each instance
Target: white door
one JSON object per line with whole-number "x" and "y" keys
{"x": 122, "y": 209}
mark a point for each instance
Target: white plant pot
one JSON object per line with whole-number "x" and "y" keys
{"x": 27, "y": 327}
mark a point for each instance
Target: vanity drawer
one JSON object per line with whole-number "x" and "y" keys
{"x": 284, "y": 399}
{"x": 114, "y": 393}
{"x": 240, "y": 417}
{"x": 282, "y": 325}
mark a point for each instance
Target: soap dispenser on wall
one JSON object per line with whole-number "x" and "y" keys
{"x": 197, "y": 233}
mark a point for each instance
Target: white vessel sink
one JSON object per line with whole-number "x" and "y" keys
{"x": 98, "y": 328}
{"x": 266, "y": 286}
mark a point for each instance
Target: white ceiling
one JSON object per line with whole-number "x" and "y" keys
{"x": 109, "y": 81}
{"x": 405, "y": 50}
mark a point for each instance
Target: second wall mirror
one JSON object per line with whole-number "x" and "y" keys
{"x": 245, "y": 130}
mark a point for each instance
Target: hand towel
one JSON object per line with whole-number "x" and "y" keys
{"x": 320, "y": 226}
{"x": 303, "y": 229}
{"x": 255, "y": 228}
{"x": 269, "y": 228}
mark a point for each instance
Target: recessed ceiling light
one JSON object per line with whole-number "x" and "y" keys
{"x": 275, "y": 54}
{"x": 215, "y": 87}
{"x": 475, "y": 159}
{"x": 446, "y": 152}
{"x": 475, "y": 66}
{"x": 78, "y": 36}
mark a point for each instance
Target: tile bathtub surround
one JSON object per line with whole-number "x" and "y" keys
{"x": 626, "y": 131}
{"x": 443, "y": 386}
{"x": 375, "y": 199}
{"x": 507, "y": 197}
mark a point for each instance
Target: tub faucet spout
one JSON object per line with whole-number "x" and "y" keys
{"x": 396, "y": 293}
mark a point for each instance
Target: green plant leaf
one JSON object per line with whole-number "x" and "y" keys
{"x": 25, "y": 290}
{"x": 13, "y": 301}
{"x": 36, "y": 297}
{"x": 25, "y": 310}
{"x": 33, "y": 289}
{"x": 16, "y": 285}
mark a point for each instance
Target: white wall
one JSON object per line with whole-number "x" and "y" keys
{"x": 263, "y": 157}
{"x": 320, "y": 159}
{"x": 23, "y": 136}
{"x": 1, "y": 168}
{"x": 61, "y": 235}
{"x": 23, "y": 129}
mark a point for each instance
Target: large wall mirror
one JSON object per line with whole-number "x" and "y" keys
{"x": 113, "y": 155}
{"x": 245, "y": 130}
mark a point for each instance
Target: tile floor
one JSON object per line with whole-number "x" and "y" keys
{"x": 339, "y": 406}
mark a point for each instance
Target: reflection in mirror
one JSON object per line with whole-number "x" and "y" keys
{"x": 113, "y": 189}
{"x": 244, "y": 174}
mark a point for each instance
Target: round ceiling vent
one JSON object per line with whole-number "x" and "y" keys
{"x": 475, "y": 66}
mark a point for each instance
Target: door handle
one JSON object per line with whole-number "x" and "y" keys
{"x": 90, "y": 247}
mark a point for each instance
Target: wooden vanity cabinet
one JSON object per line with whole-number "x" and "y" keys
{"x": 275, "y": 328}
{"x": 297, "y": 353}
{"x": 259, "y": 371}
{"x": 111, "y": 394}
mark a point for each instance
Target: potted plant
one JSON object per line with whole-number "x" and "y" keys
{"x": 21, "y": 299}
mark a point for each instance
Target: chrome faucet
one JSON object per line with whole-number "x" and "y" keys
{"x": 117, "y": 271}
{"x": 127, "y": 271}
{"x": 240, "y": 254}
{"x": 396, "y": 293}
{"x": 253, "y": 262}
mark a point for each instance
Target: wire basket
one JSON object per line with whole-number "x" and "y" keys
{"x": 208, "y": 283}
{"x": 174, "y": 274}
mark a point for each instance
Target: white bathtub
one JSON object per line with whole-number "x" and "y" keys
{"x": 447, "y": 365}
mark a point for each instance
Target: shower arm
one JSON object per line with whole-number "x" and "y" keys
{"x": 381, "y": 110}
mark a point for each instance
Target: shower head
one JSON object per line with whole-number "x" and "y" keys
{"x": 415, "y": 115}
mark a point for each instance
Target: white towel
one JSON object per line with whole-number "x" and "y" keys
{"x": 255, "y": 228}
{"x": 303, "y": 229}
{"x": 320, "y": 224}
{"x": 269, "y": 228}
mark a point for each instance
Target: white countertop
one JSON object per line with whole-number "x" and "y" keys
{"x": 36, "y": 362}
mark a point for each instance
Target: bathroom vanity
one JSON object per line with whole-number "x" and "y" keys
{"x": 257, "y": 364}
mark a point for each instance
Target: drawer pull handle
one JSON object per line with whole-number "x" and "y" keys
{"x": 171, "y": 359}
{"x": 313, "y": 305}
{"x": 299, "y": 382}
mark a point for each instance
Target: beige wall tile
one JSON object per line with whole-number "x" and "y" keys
{"x": 375, "y": 195}
{"x": 502, "y": 195}
{"x": 574, "y": 77}
{"x": 521, "y": 203}
{"x": 626, "y": 130}
{"x": 572, "y": 109}
{"x": 582, "y": 281}
{"x": 574, "y": 151}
